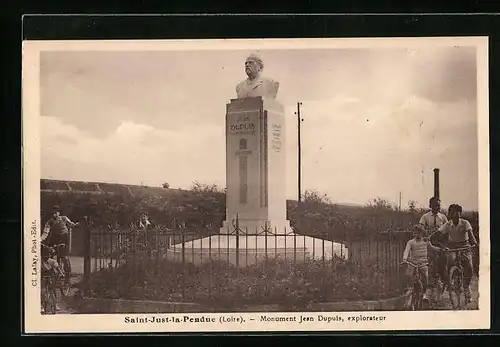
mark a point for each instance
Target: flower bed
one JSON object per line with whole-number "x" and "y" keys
{"x": 218, "y": 284}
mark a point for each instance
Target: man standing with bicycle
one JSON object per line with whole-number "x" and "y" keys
{"x": 432, "y": 221}
{"x": 460, "y": 235}
{"x": 58, "y": 227}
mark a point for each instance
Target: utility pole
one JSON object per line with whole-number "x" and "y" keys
{"x": 400, "y": 198}
{"x": 299, "y": 120}
{"x": 436, "y": 183}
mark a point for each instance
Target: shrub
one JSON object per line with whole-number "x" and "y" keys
{"x": 204, "y": 208}
{"x": 221, "y": 285}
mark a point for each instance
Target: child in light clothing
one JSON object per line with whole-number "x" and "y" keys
{"x": 417, "y": 253}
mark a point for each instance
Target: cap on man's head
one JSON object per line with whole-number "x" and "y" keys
{"x": 56, "y": 208}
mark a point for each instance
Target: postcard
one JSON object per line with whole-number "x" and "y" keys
{"x": 256, "y": 185}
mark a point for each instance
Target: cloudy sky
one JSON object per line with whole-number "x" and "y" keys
{"x": 376, "y": 121}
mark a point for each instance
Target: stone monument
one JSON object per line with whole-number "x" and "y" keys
{"x": 255, "y": 155}
{"x": 256, "y": 188}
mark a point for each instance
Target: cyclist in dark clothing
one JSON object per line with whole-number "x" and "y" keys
{"x": 57, "y": 227}
{"x": 458, "y": 233}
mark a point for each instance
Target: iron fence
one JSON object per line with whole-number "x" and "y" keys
{"x": 234, "y": 266}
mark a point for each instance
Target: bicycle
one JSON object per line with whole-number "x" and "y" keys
{"x": 49, "y": 285}
{"x": 49, "y": 297}
{"x": 438, "y": 276}
{"x": 65, "y": 262}
{"x": 456, "y": 278}
{"x": 64, "y": 283}
{"x": 417, "y": 289}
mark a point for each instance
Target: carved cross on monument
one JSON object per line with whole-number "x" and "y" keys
{"x": 243, "y": 153}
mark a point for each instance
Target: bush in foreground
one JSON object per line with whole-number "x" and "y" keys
{"x": 220, "y": 285}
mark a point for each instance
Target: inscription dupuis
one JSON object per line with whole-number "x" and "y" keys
{"x": 242, "y": 128}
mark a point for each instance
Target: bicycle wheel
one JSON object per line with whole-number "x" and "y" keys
{"x": 408, "y": 300}
{"x": 455, "y": 287}
{"x": 67, "y": 268}
{"x": 45, "y": 299}
{"x": 50, "y": 298}
{"x": 52, "y": 301}
{"x": 420, "y": 298}
{"x": 415, "y": 298}
{"x": 64, "y": 286}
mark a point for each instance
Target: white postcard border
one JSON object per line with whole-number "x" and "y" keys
{"x": 102, "y": 323}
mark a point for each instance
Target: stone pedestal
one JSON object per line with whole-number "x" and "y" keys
{"x": 255, "y": 166}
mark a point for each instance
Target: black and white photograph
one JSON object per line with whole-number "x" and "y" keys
{"x": 245, "y": 185}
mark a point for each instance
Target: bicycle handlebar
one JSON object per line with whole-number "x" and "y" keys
{"x": 415, "y": 265}
{"x": 458, "y": 249}
{"x": 54, "y": 246}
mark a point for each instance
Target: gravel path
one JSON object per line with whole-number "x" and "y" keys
{"x": 445, "y": 303}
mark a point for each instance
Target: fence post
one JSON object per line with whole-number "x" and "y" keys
{"x": 294, "y": 248}
{"x": 70, "y": 246}
{"x": 323, "y": 248}
{"x": 391, "y": 253}
{"x": 183, "y": 265}
{"x": 237, "y": 241}
{"x": 246, "y": 247}
{"x": 379, "y": 272}
{"x": 347, "y": 238}
{"x": 265, "y": 241}
{"x": 210, "y": 267}
{"x": 157, "y": 240}
{"x": 86, "y": 257}
{"x": 134, "y": 250}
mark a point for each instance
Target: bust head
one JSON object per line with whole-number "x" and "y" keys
{"x": 256, "y": 85}
{"x": 253, "y": 66}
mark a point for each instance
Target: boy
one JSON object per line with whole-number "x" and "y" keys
{"x": 49, "y": 265}
{"x": 417, "y": 253}
{"x": 460, "y": 235}
{"x": 144, "y": 222}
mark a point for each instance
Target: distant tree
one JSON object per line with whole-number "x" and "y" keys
{"x": 166, "y": 185}
{"x": 380, "y": 204}
{"x": 315, "y": 197}
{"x": 412, "y": 205}
{"x": 202, "y": 188}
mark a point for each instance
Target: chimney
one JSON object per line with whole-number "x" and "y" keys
{"x": 436, "y": 183}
